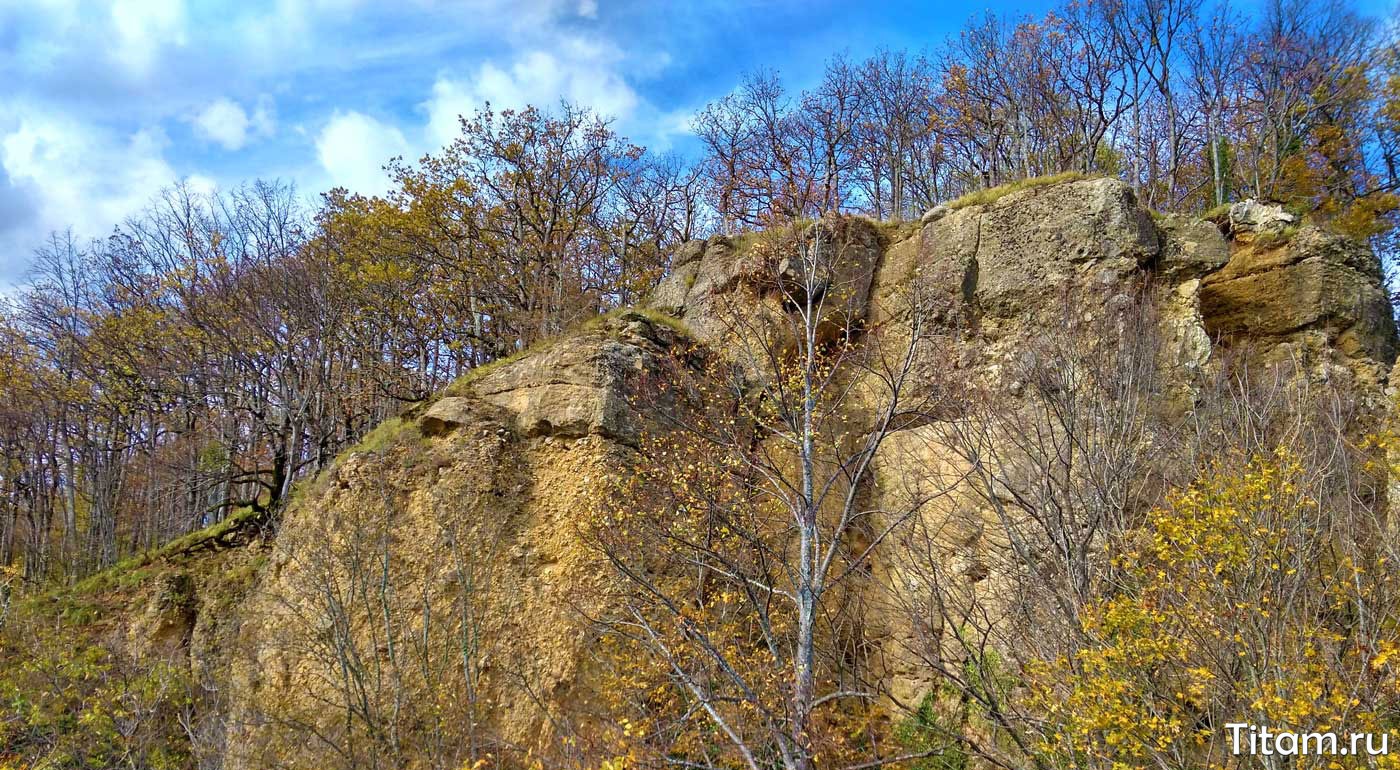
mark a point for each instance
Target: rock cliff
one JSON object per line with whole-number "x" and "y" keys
{"x": 444, "y": 551}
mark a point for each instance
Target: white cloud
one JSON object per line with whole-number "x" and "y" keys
{"x": 584, "y": 72}
{"x": 264, "y": 120}
{"x": 227, "y": 124}
{"x": 67, "y": 174}
{"x": 224, "y": 122}
{"x": 144, "y": 27}
{"x": 90, "y": 179}
{"x": 98, "y": 82}
{"x": 352, "y": 149}
{"x": 201, "y": 184}
{"x": 450, "y": 99}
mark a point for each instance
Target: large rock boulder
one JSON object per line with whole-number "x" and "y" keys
{"x": 670, "y": 294}
{"x": 1251, "y": 216}
{"x": 1191, "y": 248}
{"x": 1001, "y": 259}
{"x": 1041, "y": 237}
{"x": 712, "y": 282}
{"x": 479, "y": 520}
{"x": 1316, "y": 282}
{"x": 568, "y": 389}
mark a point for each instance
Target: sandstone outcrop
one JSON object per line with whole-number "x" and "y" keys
{"x": 567, "y": 390}
{"x": 1191, "y": 248}
{"x": 1317, "y": 292}
{"x": 476, "y": 496}
{"x": 1033, "y": 240}
{"x": 717, "y": 281}
{"x": 476, "y": 502}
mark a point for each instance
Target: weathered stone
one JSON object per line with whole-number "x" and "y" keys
{"x": 740, "y": 281}
{"x": 945, "y": 265}
{"x": 169, "y": 616}
{"x": 689, "y": 252}
{"x": 1318, "y": 281}
{"x": 899, "y": 266}
{"x": 1034, "y": 239}
{"x": 837, "y": 257}
{"x": 670, "y": 294}
{"x": 447, "y": 415}
{"x": 482, "y": 501}
{"x": 934, "y": 214}
{"x": 720, "y": 267}
{"x": 1252, "y": 216}
{"x": 1191, "y": 247}
{"x": 1271, "y": 302}
{"x": 570, "y": 390}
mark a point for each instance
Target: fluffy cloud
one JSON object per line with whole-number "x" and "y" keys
{"x": 59, "y": 174}
{"x": 144, "y": 27}
{"x": 353, "y": 148}
{"x": 84, "y": 178}
{"x": 227, "y": 124}
{"x": 90, "y": 121}
{"x": 201, "y": 184}
{"x": 585, "y": 72}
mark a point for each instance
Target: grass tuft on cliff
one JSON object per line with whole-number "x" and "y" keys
{"x": 460, "y": 386}
{"x": 650, "y": 315}
{"x": 993, "y": 194}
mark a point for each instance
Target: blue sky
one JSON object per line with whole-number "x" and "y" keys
{"x": 103, "y": 102}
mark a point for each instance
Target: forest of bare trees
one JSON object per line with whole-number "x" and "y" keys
{"x": 218, "y": 347}
{"x": 1190, "y": 102}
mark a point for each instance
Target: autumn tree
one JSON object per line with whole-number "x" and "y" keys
{"x": 828, "y": 127}
{"x": 1215, "y": 55}
{"x": 549, "y": 180}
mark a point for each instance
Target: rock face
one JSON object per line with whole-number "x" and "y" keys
{"x": 1317, "y": 289}
{"x": 1039, "y": 238}
{"x": 1000, "y": 260}
{"x": 570, "y": 390}
{"x": 169, "y": 618}
{"x": 833, "y": 262}
{"x": 476, "y": 497}
{"x": 465, "y": 515}
{"x": 1191, "y": 248}
{"x": 998, "y": 263}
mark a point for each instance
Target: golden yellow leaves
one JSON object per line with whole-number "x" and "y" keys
{"x": 1238, "y": 604}
{"x": 1386, "y": 650}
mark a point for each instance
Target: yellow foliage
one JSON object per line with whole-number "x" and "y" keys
{"x": 1237, "y": 606}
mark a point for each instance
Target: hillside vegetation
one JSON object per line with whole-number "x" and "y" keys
{"x": 1044, "y": 481}
{"x": 1024, "y": 402}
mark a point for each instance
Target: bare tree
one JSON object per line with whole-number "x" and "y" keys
{"x": 745, "y": 539}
